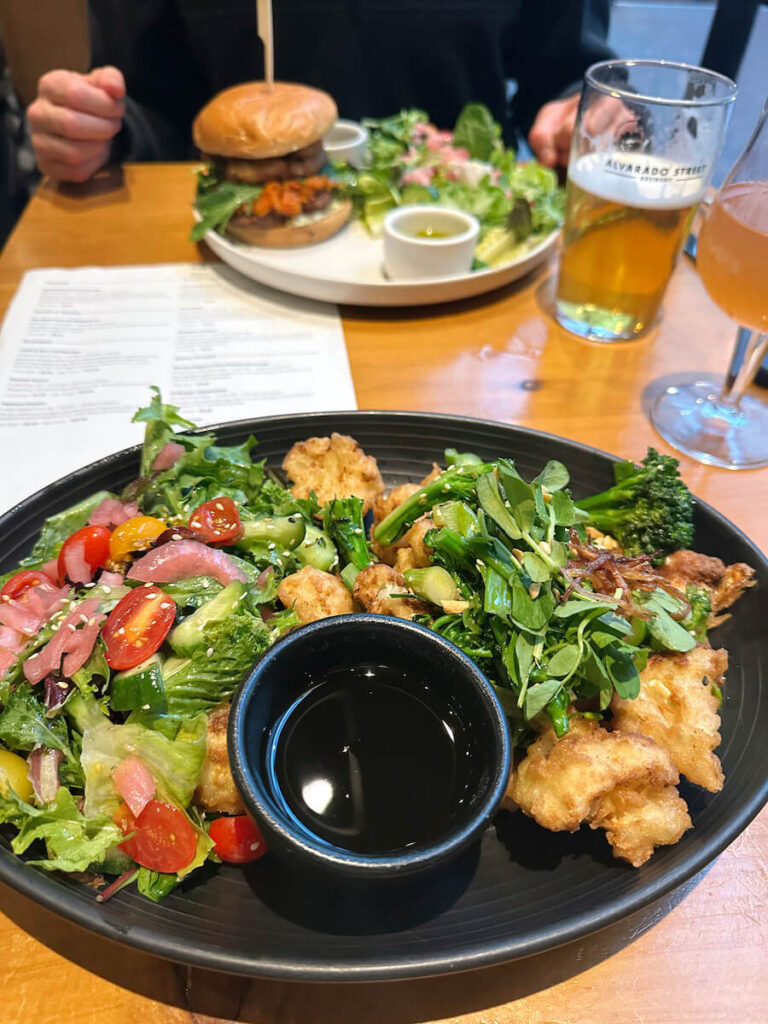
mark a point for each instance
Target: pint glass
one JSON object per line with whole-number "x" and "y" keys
{"x": 646, "y": 140}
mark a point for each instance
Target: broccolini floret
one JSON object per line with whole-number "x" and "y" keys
{"x": 648, "y": 510}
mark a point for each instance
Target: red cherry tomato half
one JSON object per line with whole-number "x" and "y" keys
{"x": 137, "y": 626}
{"x": 19, "y": 584}
{"x": 237, "y": 840}
{"x": 83, "y": 553}
{"x": 217, "y": 521}
{"x": 162, "y": 840}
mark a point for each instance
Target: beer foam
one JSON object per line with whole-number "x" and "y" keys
{"x": 635, "y": 179}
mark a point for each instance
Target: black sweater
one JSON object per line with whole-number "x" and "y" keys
{"x": 375, "y": 57}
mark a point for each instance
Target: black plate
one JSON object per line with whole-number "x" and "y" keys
{"x": 525, "y": 889}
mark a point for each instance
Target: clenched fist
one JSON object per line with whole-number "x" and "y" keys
{"x": 73, "y": 119}
{"x": 550, "y": 137}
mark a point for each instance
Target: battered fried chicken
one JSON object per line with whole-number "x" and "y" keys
{"x": 374, "y": 588}
{"x": 333, "y": 467}
{"x": 725, "y": 583}
{"x": 216, "y": 791}
{"x": 619, "y": 781}
{"x": 314, "y": 594}
{"x": 677, "y": 708}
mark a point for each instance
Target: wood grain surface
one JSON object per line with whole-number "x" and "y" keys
{"x": 697, "y": 957}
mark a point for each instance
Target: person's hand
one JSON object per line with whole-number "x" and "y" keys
{"x": 550, "y": 136}
{"x": 73, "y": 119}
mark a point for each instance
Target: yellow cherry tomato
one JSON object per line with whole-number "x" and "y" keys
{"x": 134, "y": 534}
{"x": 13, "y": 773}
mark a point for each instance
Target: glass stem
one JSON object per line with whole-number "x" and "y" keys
{"x": 747, "y": 356}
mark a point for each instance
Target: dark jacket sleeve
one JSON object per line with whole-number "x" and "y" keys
{"x": 550, "y": 48}
{"x": 146, "y": 135}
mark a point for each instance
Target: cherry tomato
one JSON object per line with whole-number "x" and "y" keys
{"x": 217, "y": 521}
{"x": 137, "y": 626}
{"x": 134, "y": 534}
{"x": 19, "y": 584}
{"x": 237, "y": 839}
{"x": 83, "y": 553}
{"x": 162, "y": 840}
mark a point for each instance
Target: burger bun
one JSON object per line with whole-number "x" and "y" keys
{"x": 291, "y": 235}
{"x": 252, "y": 122}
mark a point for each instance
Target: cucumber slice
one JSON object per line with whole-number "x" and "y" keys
{"x": 285, "y": 532}
{"x": 317, "y": 549}
{"x": 140, "y": 687}
{"x": 188, "y": 635}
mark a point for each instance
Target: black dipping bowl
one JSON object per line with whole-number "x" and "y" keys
{"x": 294, "y": 664}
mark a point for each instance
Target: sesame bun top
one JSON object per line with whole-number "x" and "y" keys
{"x": 252, "y": 122}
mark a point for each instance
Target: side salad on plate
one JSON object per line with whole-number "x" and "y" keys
{"x": 127, "y": 628}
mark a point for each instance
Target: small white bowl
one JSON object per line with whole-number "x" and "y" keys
{"x": 409, "y": 256}
{"x": 347, "y": 141}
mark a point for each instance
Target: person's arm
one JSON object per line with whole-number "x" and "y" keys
{"x": 553, "y": 43}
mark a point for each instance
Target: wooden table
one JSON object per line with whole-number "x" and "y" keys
{"x": 697, "y": 958}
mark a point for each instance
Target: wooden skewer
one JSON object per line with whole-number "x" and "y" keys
{"x": 264, "y": 25}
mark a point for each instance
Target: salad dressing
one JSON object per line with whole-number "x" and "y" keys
{"x": 371, "y": 760}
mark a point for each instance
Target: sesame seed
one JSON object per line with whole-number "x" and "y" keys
{"x": 357, "y": 530}
{"x": 209, "y": 652}
{"x": 175, "y": 536}
{"x": 151, "y": 597}
{"x": 206, "y": 584}
{"x": 33, "y": 656}
{"x": 62, "y": 685}
{"x": 446, "y": 489}
{"x": 72, "y": 626}
{"x": 254, "y": 847}
{"x": 105, "y": 590}
{"x": 89, "y": 585}
{"x": 195, "y": 523}
{"x": 219, "y": 506}
{"x": 145, "y": 707}
{"x": 166, "y": 604}
{"x": 121, "y": 631}
{"x": 83, "y": 618}
{"x": 271, "y": 546}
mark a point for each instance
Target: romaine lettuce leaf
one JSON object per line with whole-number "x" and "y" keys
{"x": 73, "y": 842}
{"x": 212, "y": 674}
{"x": 175, "y": 764}
{"x": 476, "y": 131}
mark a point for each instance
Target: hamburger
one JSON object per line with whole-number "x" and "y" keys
{"x": 264, "y": 183}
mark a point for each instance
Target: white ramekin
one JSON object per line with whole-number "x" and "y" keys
{"x": 347, "y": 142}
{"x": 407, "y": 257}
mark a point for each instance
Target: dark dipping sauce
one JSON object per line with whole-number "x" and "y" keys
{"x": 372, "y": 760}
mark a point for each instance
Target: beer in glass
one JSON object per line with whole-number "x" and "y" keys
{"x": 644, "y": 147}
{"x": 715, "y": 421}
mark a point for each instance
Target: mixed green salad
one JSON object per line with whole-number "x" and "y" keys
{"x": 412, "y": 161}
{"x": 469, "y": 168}
{"x": 135, "y": 617}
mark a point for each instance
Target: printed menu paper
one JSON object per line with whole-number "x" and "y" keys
{"x": 80, "y": 348}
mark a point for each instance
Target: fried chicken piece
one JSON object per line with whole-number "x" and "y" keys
{"x": 615, "y": 780}
{"x": 677, "y": 708}
{"x": 411, "y": 551}
{"x": 333, "y": 467}
{"x": 216, "y": 791}
{"x": 724, "y": 583}
{"x": 314, "y": 594}
{"x": 638, "y": 820}
{"x": 374, "y": 588}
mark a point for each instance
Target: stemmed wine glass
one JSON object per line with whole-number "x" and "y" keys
{"x": 720, "y": 424}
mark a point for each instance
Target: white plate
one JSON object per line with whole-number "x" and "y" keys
{"x": 348, "y": 268}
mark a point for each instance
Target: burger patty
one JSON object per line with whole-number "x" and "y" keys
{"x": 300, "y": 164}
{"x": 273, "y": 219}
